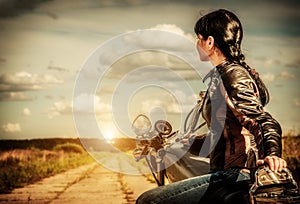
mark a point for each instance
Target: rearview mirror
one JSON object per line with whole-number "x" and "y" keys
{"x": 141, "y": 125}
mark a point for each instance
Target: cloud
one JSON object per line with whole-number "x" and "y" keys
{"x": 14, "y": 96}
{"x": 11, "y": 127}
{"x": 173, "y": 29}
{"x": 163, "y": 74}
{"x": 63, "y": 107}
{"x": 164, "y": 45}
{"x": 25, "y": 81}
{"x": 171, "y": 38}
{"x": 294, "y": 64}
{"x": 284, "y": 75}
{"x": 170, "y": 104}
{"x": 9, "y": 8}
{"x": 83, "y": 101}
{"x": 158, "y": 65}
{"x": 150, "y": 104}
{"x": 26, "y": 112}
{"x": 56, "y": 68}
{"x": 59, "y": 108}
{"x": 106, "y": 89}
{"x": 267, "y": 62}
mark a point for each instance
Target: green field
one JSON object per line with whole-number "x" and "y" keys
{"x": 24, "y": 166}
{"x": 26, "y": 161}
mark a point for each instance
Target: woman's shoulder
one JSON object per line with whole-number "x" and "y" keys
{"x": 229, "y": 66}
{"x": 234, "y": 73}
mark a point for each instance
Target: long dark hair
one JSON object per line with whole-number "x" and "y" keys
{"x": 226, "y": 29}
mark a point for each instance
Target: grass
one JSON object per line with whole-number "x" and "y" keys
{"x": 20, "y": 167}
{"x": 291, "y": 153}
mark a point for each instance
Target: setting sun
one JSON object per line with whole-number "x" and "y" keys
{"x": 109, "y": 136}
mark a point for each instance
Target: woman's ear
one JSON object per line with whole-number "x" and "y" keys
{"x": 210, "y": 42}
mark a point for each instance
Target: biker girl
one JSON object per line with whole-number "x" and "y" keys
{"x": 249, "y": 135}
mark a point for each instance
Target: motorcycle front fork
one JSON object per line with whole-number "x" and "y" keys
{"x": 157, "y": 167}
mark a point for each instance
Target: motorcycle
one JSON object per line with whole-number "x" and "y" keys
{"x": 173, "y": 156}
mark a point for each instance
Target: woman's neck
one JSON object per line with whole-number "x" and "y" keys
{"x": 217, "y": 58}
{"x": 218, "y": 61}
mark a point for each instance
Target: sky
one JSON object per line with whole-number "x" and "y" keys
{"x": 46, "y": 51}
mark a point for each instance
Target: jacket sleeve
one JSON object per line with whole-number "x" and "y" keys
{"x": 243, "y": 99}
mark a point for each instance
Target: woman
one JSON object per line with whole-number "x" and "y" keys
{"x": 249, "y": 136}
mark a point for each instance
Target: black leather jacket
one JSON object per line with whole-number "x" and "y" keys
{"x": 232, "y": 108}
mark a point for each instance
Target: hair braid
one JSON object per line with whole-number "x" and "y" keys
{"x": 239, "y": 57}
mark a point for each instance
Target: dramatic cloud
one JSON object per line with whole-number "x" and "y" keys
{"x": 170, "y": 104}
{"x": 59, "y": 108}
{"x": 56, "y": 37}
{"x": 161, "y": 66}
{"x": 174, "y": 29}
{"x": 284, "y": 75}
{"x": 170, "y": 39}
{"x": 295, "y": 64}
{"x": 11, "y": 127}
{"x": 271, "y": 63}
{"x": 165, "y": 45}
{"x": 82, "y": 106}
{"x": 54, "y": 67}
{"x": 25, "y": 81}
{"x": 14, "y": 96}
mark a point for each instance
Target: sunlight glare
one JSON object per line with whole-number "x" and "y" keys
{"x": 109, "y": 136}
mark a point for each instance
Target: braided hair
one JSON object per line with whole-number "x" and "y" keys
{"x": 226, "y": 29}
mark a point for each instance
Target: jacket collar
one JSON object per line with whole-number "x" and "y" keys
{"x": 224, "y": 64}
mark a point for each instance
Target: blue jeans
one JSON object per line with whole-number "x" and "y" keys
{"x": 207, "y": 188}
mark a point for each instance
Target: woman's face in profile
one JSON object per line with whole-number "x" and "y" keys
{"x": 202, "y": 49}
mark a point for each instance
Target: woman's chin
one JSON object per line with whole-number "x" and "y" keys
{"x": 204, "y": 58}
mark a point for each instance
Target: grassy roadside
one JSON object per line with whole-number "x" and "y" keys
{"x": 20, "y": 167}
{"x": 291, "y": 153}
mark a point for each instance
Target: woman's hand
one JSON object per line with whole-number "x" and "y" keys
{"x": 275, "y": 163}
{"x": 188, "y": 139}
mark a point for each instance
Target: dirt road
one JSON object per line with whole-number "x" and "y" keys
{"x": 87, "y": 184}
